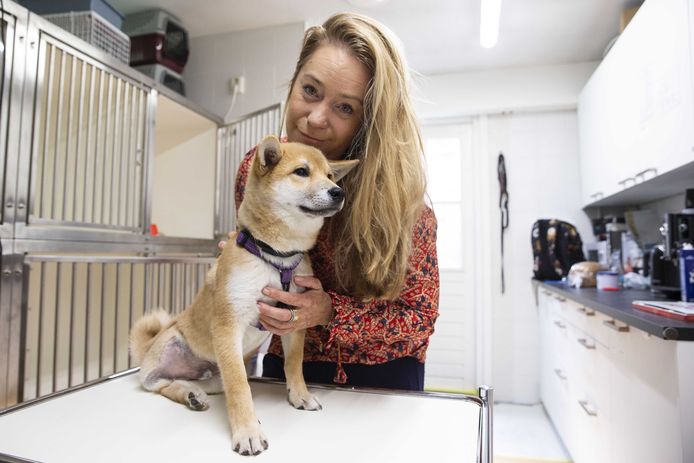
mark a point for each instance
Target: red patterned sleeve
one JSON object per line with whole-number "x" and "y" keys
{"x": 411, "y": 317}
{"x": 242, "y": 177}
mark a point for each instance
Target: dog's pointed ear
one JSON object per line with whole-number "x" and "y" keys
{"x": 340, "y": 168}
{"x": 269, "y": 152}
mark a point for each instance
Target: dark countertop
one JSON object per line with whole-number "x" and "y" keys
{"x": 617, "y": 304}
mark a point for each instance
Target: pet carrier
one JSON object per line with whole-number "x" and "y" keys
{"x": 164, "y": 76}
{"x": 95, "y": 30}
{"x": 157, "y": 37}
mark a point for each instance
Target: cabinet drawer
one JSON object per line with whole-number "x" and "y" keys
{"x": 554, "y": 390}
{"x": 588, "y": 320}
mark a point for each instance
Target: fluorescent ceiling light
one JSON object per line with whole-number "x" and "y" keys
{"x": 489, "y": 22}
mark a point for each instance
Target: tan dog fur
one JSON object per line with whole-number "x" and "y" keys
{"x": 203, "y": 349}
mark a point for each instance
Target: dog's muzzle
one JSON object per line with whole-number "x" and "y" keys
{"x": 335, "y": 203}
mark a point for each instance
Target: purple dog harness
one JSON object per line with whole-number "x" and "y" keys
{"x": 254, "y": 246}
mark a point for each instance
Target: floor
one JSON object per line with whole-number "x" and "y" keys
{"x": 524, "y": 434}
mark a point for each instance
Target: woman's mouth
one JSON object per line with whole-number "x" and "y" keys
{"x": 310, "y": 138}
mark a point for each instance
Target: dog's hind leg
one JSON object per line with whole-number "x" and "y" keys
{"x": 297, "y": 392}
{"x": 186, "y": 392}
{"x": 211, "y": 385}
{"x": 180, "y": 390}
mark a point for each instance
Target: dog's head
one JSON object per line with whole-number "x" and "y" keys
{"x": 298, "y": 178}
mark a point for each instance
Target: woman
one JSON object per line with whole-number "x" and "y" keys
{"x": 371, "y": 307}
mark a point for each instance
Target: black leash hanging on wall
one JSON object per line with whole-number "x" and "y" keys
{"x": 503, "y": 208}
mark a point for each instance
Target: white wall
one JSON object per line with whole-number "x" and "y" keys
{"x": 265, "y": 57}
{"x": 185, "y": 147}
{"x": 514, "y": 89}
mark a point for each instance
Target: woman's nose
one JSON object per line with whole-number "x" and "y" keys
{"x": 318, "y": 116}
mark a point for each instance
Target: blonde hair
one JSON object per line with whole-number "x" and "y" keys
{"x": 385, "y": 193}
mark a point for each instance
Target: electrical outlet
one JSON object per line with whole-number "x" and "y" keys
{"x": 238, "y": 84}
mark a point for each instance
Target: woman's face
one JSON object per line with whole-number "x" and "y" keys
{"x": 326, "y": 105}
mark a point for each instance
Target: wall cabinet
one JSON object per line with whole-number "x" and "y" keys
{"x": 636, "y": 113}
{"x": 610, "y": 389}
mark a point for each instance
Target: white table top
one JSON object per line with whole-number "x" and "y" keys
{"x": 117, "y": 421}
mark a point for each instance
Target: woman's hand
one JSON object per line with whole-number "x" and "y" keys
{"x": 312, "y": 307}
{"x": 223, "y": 243}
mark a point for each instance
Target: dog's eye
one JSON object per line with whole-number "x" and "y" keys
{"x": 301, "y": 172}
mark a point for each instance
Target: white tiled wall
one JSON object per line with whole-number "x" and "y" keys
{"x": 265, "y": 57}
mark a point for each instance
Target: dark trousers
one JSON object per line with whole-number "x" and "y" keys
{"x": 404, "y": 373}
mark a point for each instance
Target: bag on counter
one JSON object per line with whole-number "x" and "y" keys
{"x": 557, "y": 246}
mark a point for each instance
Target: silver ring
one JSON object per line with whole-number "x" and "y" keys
{"x": 294, "y": 317}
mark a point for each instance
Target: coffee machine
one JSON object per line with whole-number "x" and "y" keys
{"x": 677, "y": 230}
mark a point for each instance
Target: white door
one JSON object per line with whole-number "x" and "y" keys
{"x": 450, "y": 361}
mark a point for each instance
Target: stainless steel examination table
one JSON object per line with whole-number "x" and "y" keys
{"x": 114, "y": 420}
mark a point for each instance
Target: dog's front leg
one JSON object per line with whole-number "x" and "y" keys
{"x": 298, "y": 395}
{"x": 247, "y": 438}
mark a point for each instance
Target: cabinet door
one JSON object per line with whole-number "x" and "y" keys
{"x": 636, "y": 113}
{"x": 655, "y": 88}
{"x": 589, "y": 402}
{"x": 598, "y": 172}
{"x": 643, "y": 388}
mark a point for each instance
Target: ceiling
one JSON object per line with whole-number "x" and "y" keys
{"x": 439, "y": 36}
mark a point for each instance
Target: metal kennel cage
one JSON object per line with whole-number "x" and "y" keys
{"x": 79, "y": 263}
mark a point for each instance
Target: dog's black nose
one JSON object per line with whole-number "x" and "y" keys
{"x": 336, "y": 193}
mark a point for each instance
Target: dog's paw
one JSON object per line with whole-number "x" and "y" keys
{"x": 305, "y": 401}
{"x": 197, "y": 401}
{"x": 249, "y": 441}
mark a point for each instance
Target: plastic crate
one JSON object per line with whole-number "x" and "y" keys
{"x": 150, "y": 21}
{"x": 95, "y": 30}
{"x": 164, "y": 76}
{"x": 154, "y": 48}
{"x": 101, "y": 7}
{"x": 157, "y": 36}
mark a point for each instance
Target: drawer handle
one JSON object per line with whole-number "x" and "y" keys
{"x": 587, "y": 312}
{"x": 590, "y": 411}
{"x": 612, "y": 324}
{"x": 559, "y": 324}
{"x": 560, "y": 299}
{"x": 546, "y": 293}
{"x": 560, "y": 374}
{"x": 584, "y": 343}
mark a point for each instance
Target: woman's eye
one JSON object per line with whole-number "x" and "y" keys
{"x": 301, "y": 172}
{"x": 310, "y": 90}
{"x": 345, "y": 108}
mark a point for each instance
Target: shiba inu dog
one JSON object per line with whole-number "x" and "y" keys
{"x": 290, "y": 189}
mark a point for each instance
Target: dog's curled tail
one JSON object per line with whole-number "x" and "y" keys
{"x": 145, "y": 330}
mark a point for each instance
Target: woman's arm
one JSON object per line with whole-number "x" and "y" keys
{"x": 411, "y": 317}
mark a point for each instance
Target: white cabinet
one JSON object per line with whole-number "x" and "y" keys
{"x": 636, "y": 113}
{"x": 645, "y": 394}
{"x": 611, "y": 390}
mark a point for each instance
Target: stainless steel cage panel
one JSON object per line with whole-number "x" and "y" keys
{"x": 79, "y": 311}
{"x": 10, "y": 325}
{"x": 235, "y": 140}
{"x": 14, "y": 25}
{"x": 89, "y": 143}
